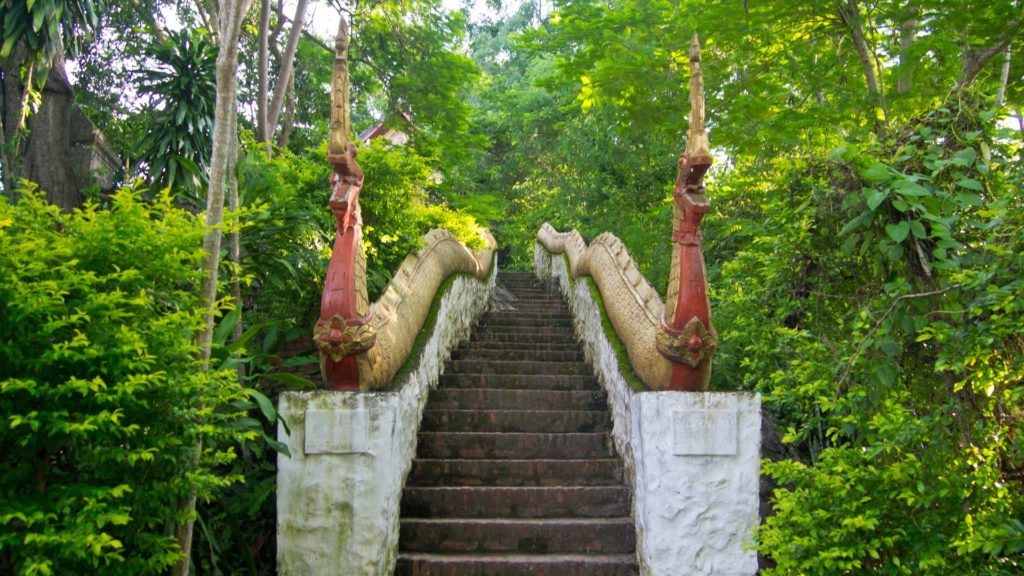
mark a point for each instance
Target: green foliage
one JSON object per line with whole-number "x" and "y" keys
{"x": 102, "y": 398}
{"x": 871, "y": 295}
{"x": 178, "y": 143}
{"x": 875, "y": 305}
{"x": 395, "y": 210}
{"x": 287, "y": 235}
{"x": 45, "y": 27}
{"x": 407, "y": 64}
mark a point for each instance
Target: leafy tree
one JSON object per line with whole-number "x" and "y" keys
{"x": 874, "y": 306}
{"x": 177, "y": 145}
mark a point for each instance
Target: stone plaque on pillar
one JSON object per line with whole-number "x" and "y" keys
{"x": 336, "y": 432}
{"x": 704, "y": 433}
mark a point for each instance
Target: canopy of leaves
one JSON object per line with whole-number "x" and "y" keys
{"x": 45, "y": 27}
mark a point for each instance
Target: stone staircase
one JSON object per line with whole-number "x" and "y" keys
{"x": 515, "y": 472}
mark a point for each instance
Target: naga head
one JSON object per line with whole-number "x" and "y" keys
{"x": 696, "y": 160}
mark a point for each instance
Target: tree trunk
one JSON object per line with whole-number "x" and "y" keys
{"x": 234, "y": 239}
{"x": 976, "y": 60}
{"x": 7, "y": 101}
{"x": 849, "y": 12}
{"x": 263, "y": 85}
{"x": 152, "y": 19}
{"x": 1004, "y": 78}
{"x": 908, "y": 32}
{"x": 15, "y": 104}
{"x": 232, "y": 13}
{"x": 289, "y": 114}
{"x": 287, "y": 64}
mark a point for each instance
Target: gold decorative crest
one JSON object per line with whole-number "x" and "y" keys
{"x": 337, "y": 339}
{"x": 690, "y": 346}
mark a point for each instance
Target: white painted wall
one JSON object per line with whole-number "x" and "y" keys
{"x": 692, "y": 458}
{"x": 338, "y": 495}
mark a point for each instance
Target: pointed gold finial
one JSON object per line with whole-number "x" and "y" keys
{"x": 341, "y": 126}
{"x": 697, "y": 137}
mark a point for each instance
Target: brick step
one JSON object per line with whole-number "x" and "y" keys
{"x": 552, "y": 420}
{"x": 515, "y": 445}
{"x": 496, "y": 399}
{"x": 595, "y": 535}
{"x": 537, "y": 287}
{"x": 562, "y": 330}
{"x": 534, "y": 293}
{"x": 516, "y": 502}
{"x": 536, "y": 304}
{"x": 527, "y": 346}
{"x": 519, "y": 307}
{"x": 537, "y": 321}
{"x": 460, "y": 472}
{"x": 518, "y": 367}
{"x": 527, "y": 277}
{"x": 535, "y": 355}
{"x": 519, "y": 381}
{"x": 529, "y": 336}
{"x": 527, "y": 312}
{"x": 516, "y": 565}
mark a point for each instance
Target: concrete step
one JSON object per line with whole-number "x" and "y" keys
{"x": 563, "y": 346}
{"x": 511, "y": 354}
{"x": 533, "y": 306}
{"x": 496, "y": 399}
{"x": 529, "y": 330}
{"x": 516, "y": 502}
{"x": 535, "y": 336}
{"x": 544, "y": 536}
{"x": 410, "y": 564}
{"x": 515, "y": 445}
{"x": 532, "y": 321}
{"x": 519, "y": 381}
{"x": 516, "y": 421}
{"x": 518, "y": 367}
{"x": 483, "y": 472}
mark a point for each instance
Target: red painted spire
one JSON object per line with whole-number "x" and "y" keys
{"x": 687, "y": 338}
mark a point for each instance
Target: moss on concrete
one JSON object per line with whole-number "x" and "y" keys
{"x": 625, "y": 367}
{"x": 430, "y": 323}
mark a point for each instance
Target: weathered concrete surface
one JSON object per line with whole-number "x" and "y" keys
{"x": 338, "y": 495}
{"x": 693, "y": 512}
{"x": 697, "y": 497}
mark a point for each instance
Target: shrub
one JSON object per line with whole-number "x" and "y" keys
{"x": 874, "y": 301}
{"x": 102, "y": 401}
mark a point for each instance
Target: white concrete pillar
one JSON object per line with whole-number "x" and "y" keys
{"x": 697, "y": 458}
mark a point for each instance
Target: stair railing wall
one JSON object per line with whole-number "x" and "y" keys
{"x": 352, "y": 445}
{"x": 692, "y": 457}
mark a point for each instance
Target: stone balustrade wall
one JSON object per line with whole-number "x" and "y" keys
{"x": 632, "y": 305}
{"x": 692, "y": 458}
{"x": 338, "y": 494}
